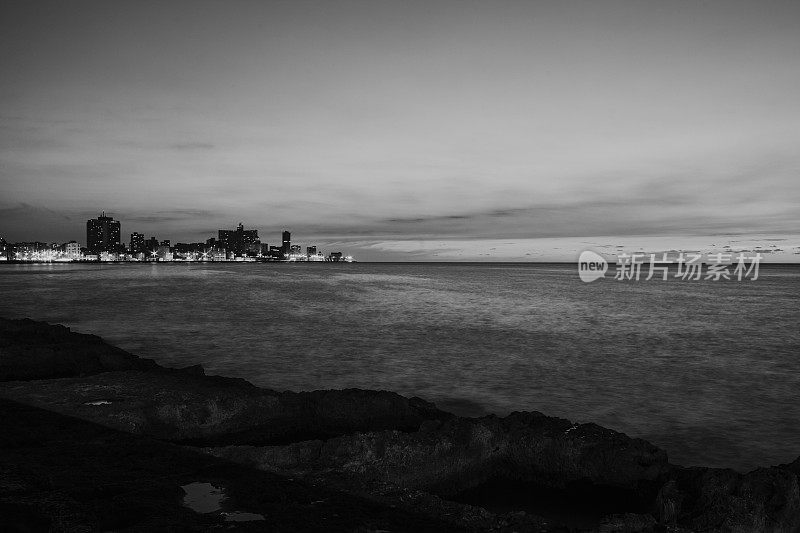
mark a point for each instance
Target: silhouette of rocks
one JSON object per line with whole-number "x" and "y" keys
{"x": 715, "y": 499}
{"x": 59, "y": 473}
{"x": 409, "y": 461}
{"x": 464, "y": 453}
{"x": 35, "y": 350}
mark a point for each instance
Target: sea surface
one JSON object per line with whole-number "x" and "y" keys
{"x": 709, "y": 371}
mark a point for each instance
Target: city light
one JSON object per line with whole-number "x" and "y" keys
{"x": 103, "y": 245}
{"x": 103, "y": 238}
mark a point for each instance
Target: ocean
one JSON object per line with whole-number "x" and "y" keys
{"x": 709, "y": 371}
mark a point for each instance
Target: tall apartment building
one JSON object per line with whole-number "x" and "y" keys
{"x": 102, "y": 234}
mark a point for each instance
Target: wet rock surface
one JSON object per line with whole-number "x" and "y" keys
{"x": 353, "y": 460}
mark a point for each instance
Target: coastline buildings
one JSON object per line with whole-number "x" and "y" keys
{"x": 137, "y": 243}
{"x": 103, "y": 244}
{"x": 102, "y": 234}
{"x": 238, "y": 242}
{"x": 151, "y": 247}
{"x": 72, "y": 251}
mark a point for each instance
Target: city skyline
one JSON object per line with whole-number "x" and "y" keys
{"x": 417, "y": 130}
{"x": 105, "y": 242}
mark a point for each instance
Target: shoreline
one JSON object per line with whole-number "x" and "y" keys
{"x": 396, "y": 453}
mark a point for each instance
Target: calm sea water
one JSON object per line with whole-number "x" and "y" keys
{"x": 710, "y": 371}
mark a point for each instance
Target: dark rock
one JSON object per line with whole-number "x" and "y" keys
{"x": 628, "y": 523}
{"x": 35, "y": 350}
{"x": 464, "y": 453}
{"x": 395, "y": 452}
{"x": 210, "y": 410}
{"x": 794, "y": 466}
{"x": 59, "y": 473}
{"x": 714, "y": 499}
{"x": 194, "y": 370}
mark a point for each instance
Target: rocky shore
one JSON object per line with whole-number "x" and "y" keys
{"x": 96, "y": 438}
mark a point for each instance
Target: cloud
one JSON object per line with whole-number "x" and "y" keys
{"x": 173, "y": 215}
{"x": 192, "y": 146}
{"x": 23, "y": 209}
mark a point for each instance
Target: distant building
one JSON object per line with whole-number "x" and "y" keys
{"x": 335, "y": 256}
{"x": 5, "y": 249}
{"x": 258, "y": 249}
{"x": 72, "y": 250}
{"x": 311, "y": 250}
{"x": 102, "y": 234}
{"x": 151, "y": 246}
{"x": 30, "y": 251}
{"x": 287, "y": 243}
{"x": 164, "y": 253}
{"x": 238, "y": 241}
{"x": 137, "y": 243}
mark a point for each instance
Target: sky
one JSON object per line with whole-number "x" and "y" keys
{"x": 406, "y": 130}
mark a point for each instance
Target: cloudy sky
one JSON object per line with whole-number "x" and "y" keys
{"x": 405, "y": 129}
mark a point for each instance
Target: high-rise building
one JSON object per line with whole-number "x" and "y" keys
{"x": 102, "y": 234}
{"x": 287, "y": 242}
{"x": 238, "y": 241}
{"x": 137, "y": 243}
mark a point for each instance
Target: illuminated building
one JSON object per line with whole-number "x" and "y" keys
{"x": 102, "y": 234}
{"x": 35, "y": 251}
{"x": 287, "y": 243}
{"x": 238, "y": 241}
{"x": 137, "y": 243}
{"x": 258, "y": 249}
{"x": 164, "y": 253}
{"x": 72, "y": 250}
{"x": 184, "y": 248}
{"x": 151, "y": 246}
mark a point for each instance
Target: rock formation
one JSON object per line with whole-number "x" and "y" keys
{"x": 522, "y": 472}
